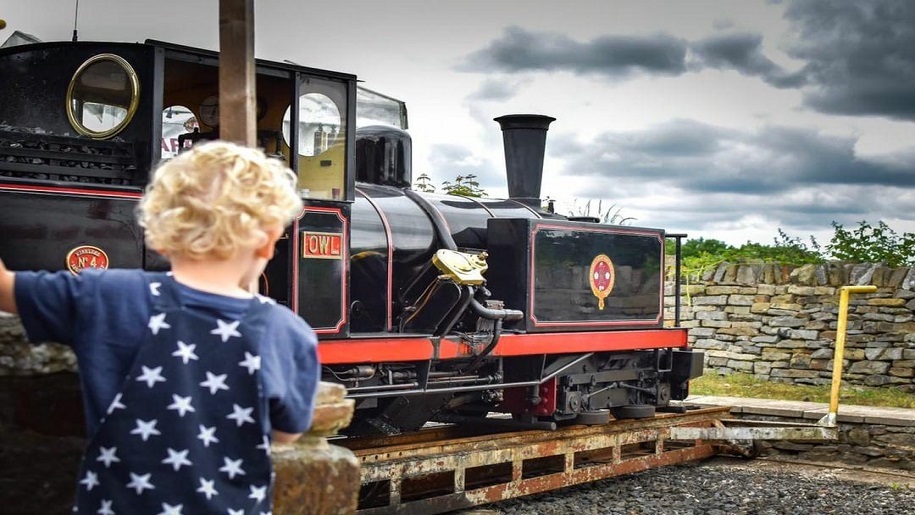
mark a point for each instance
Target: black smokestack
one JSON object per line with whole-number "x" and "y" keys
{"x": 524, "y": 136}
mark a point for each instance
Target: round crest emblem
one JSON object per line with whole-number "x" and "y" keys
{"x": 601, "y": 278}
{"x": 86, "y": 256}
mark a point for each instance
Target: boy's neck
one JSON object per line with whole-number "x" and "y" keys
{"x": 222, "y": 277}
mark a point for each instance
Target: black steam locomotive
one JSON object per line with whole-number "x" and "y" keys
{"x": 428, "y": 307}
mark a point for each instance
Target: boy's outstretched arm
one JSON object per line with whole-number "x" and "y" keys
{"x": 7, "y": 298}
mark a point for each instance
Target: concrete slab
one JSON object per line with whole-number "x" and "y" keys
{"x": 809, "y": 410}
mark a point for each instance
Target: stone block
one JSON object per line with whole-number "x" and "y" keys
{"x": 710, "y": 300}
{"x": 739, "y": 331}
{"x": 742, "y": 300}
{"x": 886, "y": 302}
{"x": 770, "y": 354}
{"x": 765, "y": 289}
{"x": 901, "y": 371}
{"x": 762, "y": 367}
{"x": 787, "y": 321}
{"x": 721, "y": 290}
{"x": 743, "y": 366}
{"x": 794, "y": 373}
{"x": 869, "y": 367}
{"x": 760, "y": 307}
{"x": 791, "y": 344}
{"x": 803, "y": 334}
{"x": 801, "y": 290}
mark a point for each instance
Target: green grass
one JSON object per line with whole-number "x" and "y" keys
{"x": 746, "y": 385}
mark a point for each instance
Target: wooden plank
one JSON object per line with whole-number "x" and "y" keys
{"x": 236, "y": 72}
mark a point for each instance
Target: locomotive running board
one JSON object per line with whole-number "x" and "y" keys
{"x": 446, "y": 475}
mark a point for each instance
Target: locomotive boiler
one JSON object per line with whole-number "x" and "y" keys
{"x": 428, "y": 307}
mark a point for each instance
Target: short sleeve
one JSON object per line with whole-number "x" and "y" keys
{"x": 48, "y": 303}
{"x": 292, "y": 372}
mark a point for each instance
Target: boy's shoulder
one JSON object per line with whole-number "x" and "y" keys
{"x": 129, "y": 279}
{"x": 285, "y": 318}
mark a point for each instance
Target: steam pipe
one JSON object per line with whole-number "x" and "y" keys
{"x": 438, "y": 223}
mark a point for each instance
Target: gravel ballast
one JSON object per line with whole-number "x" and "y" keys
{"x": 725, "y": 487}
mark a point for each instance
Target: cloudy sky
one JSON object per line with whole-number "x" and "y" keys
{"x": 722, "y": 119}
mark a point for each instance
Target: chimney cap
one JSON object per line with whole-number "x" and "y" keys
{"x": 525, "y": 121}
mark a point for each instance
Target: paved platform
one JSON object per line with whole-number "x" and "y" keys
{"x": 812, "y": 411}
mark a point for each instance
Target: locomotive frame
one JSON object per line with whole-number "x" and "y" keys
{"x": 427, "y": 307}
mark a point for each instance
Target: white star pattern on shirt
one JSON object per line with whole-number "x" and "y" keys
{"x": 116, "y": 404}
{"x": 236, "y": 512}
{"x": 181, "y": 404}
{"x": 207, "y": 435}
{"x": 215, "y": 382}
{"x": 107, "y": 455}
{"x": 258, "y": 493}
{"x": 241, "y": 415}
{"x": 151, "y": 376}
{"x": 265, "y": 300}
{"x": 232, "y": 468}
{"x": 140, "y": 483}
{"x": 145, "y": 429}
{"x": 105, "y": 508}
{"x": 177, "y": 458}
{"x": 90, "y": 480}
{"x": 154, "y": 288}
{"x": 207, "y": 489}
{"x": 226, "y": 330}
{"x": 185, "y": 352}
{"x": 251, "y": 362}
{"x": 265, "y": 446}
{"x": 168, "y": 509}
{"x": 157, "y": 322}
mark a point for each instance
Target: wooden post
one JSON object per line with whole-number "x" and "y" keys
{"x": 237, "y": 89}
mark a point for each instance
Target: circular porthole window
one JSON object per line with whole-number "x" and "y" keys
{"x": 103, "y": 96}
{"x": 319, "y": 124}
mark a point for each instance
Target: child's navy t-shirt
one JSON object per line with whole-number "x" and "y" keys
{"x": 103, "y": 316}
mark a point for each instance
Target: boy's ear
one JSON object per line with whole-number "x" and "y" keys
{"x": 269, "y": 246}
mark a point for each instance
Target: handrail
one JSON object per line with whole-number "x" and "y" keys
{"x": 839, "y": 354}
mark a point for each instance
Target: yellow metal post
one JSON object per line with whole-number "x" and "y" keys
{"x": 839, "y": 353}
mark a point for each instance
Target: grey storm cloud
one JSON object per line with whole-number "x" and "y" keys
{"x": 492, "y": 90}
{"x": 860, "y": 55}
{"x": 612, "y": 56}
{"x": 743, "y": 53}
{"x": 701, "y": 158}
{"x": 858, "y": 58}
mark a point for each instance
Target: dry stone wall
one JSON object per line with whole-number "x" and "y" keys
{"x": 779, "y": 323}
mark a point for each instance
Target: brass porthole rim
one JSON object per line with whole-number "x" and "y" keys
{"x": 131, "y": 109}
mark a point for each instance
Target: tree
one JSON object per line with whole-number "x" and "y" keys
{"x": 464, "y": 186}
{"x": 872, "y": 244}
{"x": 424, "y": 184}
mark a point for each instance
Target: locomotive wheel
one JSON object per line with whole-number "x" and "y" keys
{"x": 634, "y": 411}
{"x": 593, "y": 418}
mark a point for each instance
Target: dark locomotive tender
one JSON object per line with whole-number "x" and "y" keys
{"x": 565, "y": 325}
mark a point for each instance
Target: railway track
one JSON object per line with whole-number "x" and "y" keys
{"x": 446, "y": 468}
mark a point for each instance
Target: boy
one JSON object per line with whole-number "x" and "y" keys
{"x": 185, "y": 375}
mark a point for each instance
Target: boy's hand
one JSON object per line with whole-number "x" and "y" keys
{"x": 7, "y": 299}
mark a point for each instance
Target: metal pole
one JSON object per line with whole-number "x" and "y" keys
{"x": 839, "y": 354}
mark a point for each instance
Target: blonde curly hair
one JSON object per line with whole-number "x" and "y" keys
{"x": 215, "y": 199}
